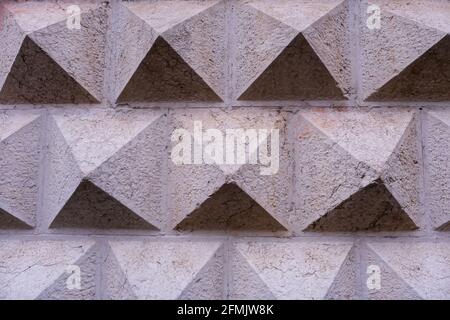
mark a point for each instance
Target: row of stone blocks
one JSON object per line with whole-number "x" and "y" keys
{"x": 337, "y": 169}
{"x": 217, "y": 50}
{"x": 194, "y": 269}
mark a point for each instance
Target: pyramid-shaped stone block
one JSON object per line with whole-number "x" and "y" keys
{"x": 170, "y": 51}
{"x": 91, "y": 182}
{"x": 292, "y": 51}
{"x": 366, "y": 174}
{"x": 54, "y": 64}
{"x": 194, "y": 187}
{"x": 437, "y": 169}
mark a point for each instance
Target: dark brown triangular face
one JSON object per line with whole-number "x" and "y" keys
{"x": 230, "y": 209}
{"x": 91, "y": 207}
{"x": 164, "y": 76}
{"x": 426, "y": 79}
{"x": 8, "y": 221}
{"x": 373, "y": 208}
{"x": 297, "y": 73}
{"x": 37, "y": 78}
{"x": 444, "y": 227}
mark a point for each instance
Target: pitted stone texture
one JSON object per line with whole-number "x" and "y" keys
{"x": 437, "y": 160}
{"x": 182, "y": 54}
{"x": 40, "y": 269}
{"x": 366, "y": 172}
{"x": 55, "y": 64}
{"x": 103, "y": 169}
{"x": 407, "y": 58}
{"x": 283, "y": 51}
{"x": 164, "y": 270}
{"x": 200, "y": 188}
{"x": 293, "y": 270}
{"x": 20, "y": 152}
{"x": 411, "y": 270}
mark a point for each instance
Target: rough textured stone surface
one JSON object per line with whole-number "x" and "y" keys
{"x": 103, "y": 169}
{"x": 407, "y": 58}
{"x": 295, "y": 270}
{"x": 39, "y": 269}
{"x": 165, "y": 270}
{"x": 20, "y": 134}
{"x": 416, "y": 270}
{"x": 437, "y": 159}
{"x": 286, "y": 56}
{"x": 202, "y": 189}
{"x": 365, "y": 175}
{"x": 355, "y": 207}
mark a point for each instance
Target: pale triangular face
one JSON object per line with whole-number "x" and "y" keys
{"x": 424, "y": 266}
{"x": 36, "y": 15}
{"x": 414, "y": 10}
{"x": 297, "y": 14}
{"x": 163, "y": 15}
{"x": 162, "y": 270}
{"x": 296, "y": 270}
{"x": 29, "y": 267}
{"x": 11, "y": 122}
{"x": 94, "y": 138}
{"x": 370, "y": 137}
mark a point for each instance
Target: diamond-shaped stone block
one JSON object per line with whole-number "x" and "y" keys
{"x": 365, "y": 175}
{"x": 103, "y": 170}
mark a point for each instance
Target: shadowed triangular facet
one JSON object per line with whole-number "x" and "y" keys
{"x": 427, "y": 78}
{"x": 164, "y": 76}
{"x": 91, "y": 207}
{"x": 230, "y": 209}
{"x": 8, "y": 221}
{"x": 36, "y": 78}
{"x": 297, "y": 73}
{"x": 372, "y": 208}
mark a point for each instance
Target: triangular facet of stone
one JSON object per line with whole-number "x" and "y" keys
{"x": 164, "y": 76}
{"x": 372, "y": 208}
{"x": 8, "y": 221}
{"x": 91, "y": 207}
{"x": 36, "y": 78}
{"x": 297, "y": 73}
{"x": 230, "y": 209}
{"x": 426, "y": 79}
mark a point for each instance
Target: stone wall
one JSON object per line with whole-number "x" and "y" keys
{"x": 93, "y": 205}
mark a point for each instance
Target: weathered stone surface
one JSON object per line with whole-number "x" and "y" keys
{"x": 164, "y": 270}
{"x": 52, "y": 56}
{"x": 365, "y": 175}
{"x": 407, "y": 58}
{"x": 192, "y": 185}
{"x": 40, "y": 269}
{"x": 293, "y": 270}
{"x": 20, "y": 152}
{"x": 411, "y": 270}
{"x": 437, "y": 159}
{"x": 175, "y": 51}
{"x": 92, "y": 182}
{"x": 283, "y": 51}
